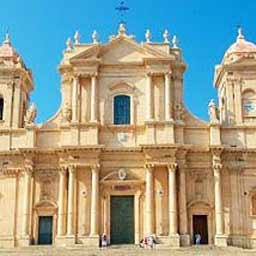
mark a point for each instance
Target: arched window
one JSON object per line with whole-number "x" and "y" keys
{"x": 253, "y": 202}
{"x": 122, "y": 109}
{"x": 249, "y": 103}
{"x": 1, "y": 108}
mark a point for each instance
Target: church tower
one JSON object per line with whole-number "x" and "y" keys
{"x": 16, "y": 83}
{"x": 235, "y": 79}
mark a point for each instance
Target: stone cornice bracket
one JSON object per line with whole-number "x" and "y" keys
{"x": 172, "y": 167}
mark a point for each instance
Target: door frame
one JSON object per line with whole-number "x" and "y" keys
{"x": 39, "y": 228}
{"x": 45, "y": 208}
{"x": 201, "y": 208}
{"x": 109, "y": 191}
{"x": 206, "y": 224}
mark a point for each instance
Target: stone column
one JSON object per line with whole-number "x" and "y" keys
{"x": 61, "y": 201}
{"x": 173, "y": 225}
{"x": 149, "y": 102}
{"x": 183, "y": 215}
{"x": 75, "y": 90}
{"x": 149, "y": 200}
{"x": 218, "y": 200}
{"x": 220, "y": 238}
{"x": 71, "y": 200}
{"x": 168, "y": 113}
{"x": 172, "y": 200}
{"x": 94, "y": 201}
{"x": 26, "y": 201}
{"x": 94, "y": 100}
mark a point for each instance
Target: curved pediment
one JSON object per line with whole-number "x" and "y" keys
{"x": 120, "y": 175}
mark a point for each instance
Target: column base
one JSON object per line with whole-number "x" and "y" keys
{"x": 221, "y": 240}
{"x": 60, "y": 240}
{"x": 7, "y": 242}
{"x": 90, "y": 241}
{"x": 174, "y": 240}
{"x": 70, "y": 240}
{"x": 185, "y": 240}
{"x": 25, "y": 241}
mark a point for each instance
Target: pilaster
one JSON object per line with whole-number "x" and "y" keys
{"x": 220, "y": 237}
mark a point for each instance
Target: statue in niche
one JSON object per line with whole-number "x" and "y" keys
{"x": 213, "y": 112}
{"x": 66, "y": 113}
{"x": 31, "y": 114}
{"x": 179, "y": 112}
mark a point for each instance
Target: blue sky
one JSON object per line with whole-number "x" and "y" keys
{"x": 39, "y": 29}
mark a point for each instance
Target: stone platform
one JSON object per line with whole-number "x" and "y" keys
{"x": 127, "y": 251}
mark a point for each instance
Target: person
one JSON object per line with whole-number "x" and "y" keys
{"x": 198, "y": 239}
{"x": 150, "y": 242}
{"x": 104, "y": 241}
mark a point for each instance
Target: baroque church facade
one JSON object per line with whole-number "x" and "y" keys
{"x": 123, "y": 156}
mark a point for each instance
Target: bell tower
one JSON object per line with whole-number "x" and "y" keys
{"x": 235, "y": 79}
{"x": 16, "y": 83}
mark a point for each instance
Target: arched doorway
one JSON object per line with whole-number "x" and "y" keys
{"x": 201, "y": 221}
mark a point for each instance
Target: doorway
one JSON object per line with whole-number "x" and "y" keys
{"x": 200, "y": 226}
{"x": 45, "y": 230}
{"x": 122, "y": 220}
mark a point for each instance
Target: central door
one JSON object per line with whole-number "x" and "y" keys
{"x": 200, "y": 226}
{"x": 45, "y": 230}
{"x": 122, "y": 220}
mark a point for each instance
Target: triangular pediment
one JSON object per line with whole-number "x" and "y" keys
{"x": 125, "y": 50}
{"x": 120, "y": 50}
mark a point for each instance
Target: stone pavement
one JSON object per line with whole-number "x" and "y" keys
{"x": 126, "y": 251}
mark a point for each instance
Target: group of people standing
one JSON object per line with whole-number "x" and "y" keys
{"x": 147, "y": 242}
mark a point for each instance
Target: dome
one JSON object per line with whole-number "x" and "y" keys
{"x": 241, "y": 48}
{"x": 9, "y": 55}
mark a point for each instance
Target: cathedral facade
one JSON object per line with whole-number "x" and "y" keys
{"x": 123, "y": 156}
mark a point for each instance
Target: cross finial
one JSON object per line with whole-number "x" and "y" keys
{"x": 122, "y": 8}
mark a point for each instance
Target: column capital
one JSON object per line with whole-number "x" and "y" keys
{"x": 94, "y": 74}
{"x": 149, "y": 166}
{"x": 63, "y": 170}
{"x": 72, "y": 168}
{"x": 168, "y": 73}
{"x": 172, "y": 166}
{"x": 95, "y": 167}
{"x": 76, "y": 76}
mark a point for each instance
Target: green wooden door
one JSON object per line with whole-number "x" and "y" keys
{"x": 45, "y": 230}
{"x": 122, "y": 220}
